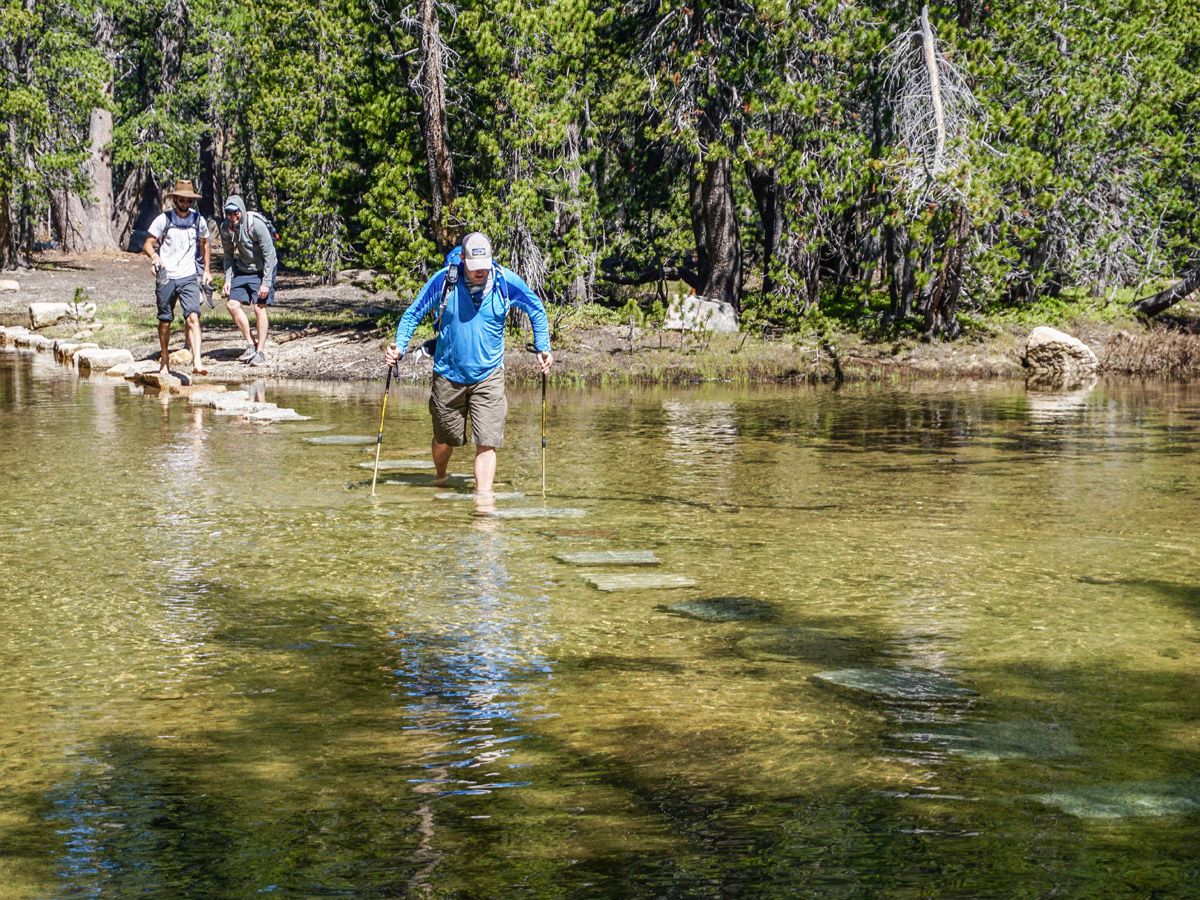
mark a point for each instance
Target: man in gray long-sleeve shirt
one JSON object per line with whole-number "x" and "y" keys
{"x": 250, "y": 267}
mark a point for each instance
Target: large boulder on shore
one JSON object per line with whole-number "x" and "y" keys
{"x": 1050, "y": 352}
{"x": 43, "y": 314}
{"x": 692, "y": 313}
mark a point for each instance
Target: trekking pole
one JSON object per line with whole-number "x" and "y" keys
{"x": 382, "y": 413}
{"x": 543, "y": 434}
{"x": 532, "y": 349}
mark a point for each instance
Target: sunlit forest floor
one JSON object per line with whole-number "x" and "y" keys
{"x": 337, "y": 332}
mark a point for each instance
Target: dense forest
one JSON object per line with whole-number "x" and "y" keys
{"x": 785, "y": 157}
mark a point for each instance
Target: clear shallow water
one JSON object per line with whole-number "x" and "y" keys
{"x": 229, "y": 670}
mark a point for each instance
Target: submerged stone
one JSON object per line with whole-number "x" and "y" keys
{"x": 609, "y": 558}
{"x": 391, "y": 465}
{"x": 816, "y": 645}
{"x": 640, "y": 581}
{"x": 895, "y": 684}
{"x": 1128, "y": 799}
{"x": 457, "y": 495}
{"x": 723, "y": 609}
{"x": 342, "y": 439}
{"x": 536, "y": 512}
{"x": 994, "y": 741}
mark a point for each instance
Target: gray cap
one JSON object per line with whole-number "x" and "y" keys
{"x": 476, "y": 251}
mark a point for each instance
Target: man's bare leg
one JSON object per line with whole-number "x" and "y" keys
{"x": 260, "y": 324}
{"x": 193, "y": 330}
{"x": 239, "y": 319}
{"x": 485, "y": 469}
{"x": 164, "y": 343}
{"x": 441, "y": 460}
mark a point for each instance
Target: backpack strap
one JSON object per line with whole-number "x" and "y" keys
{"x": 449, "y": 284}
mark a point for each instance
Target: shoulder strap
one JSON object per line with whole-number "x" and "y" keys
{"x": 448, "y": 285}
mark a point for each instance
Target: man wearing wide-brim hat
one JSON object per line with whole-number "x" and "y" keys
{"x": 179, "y": 252}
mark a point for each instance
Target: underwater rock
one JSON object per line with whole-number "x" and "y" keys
{"x": 641, "y": 581}
{"x": 389, "y": 465}
{"x": 995, "y": 741}
{"x": 895, "y": 684}
{"x": 457, "y": 495}
{"x": 723, "y": 609}
{"x": 609, "y": 558}
{"x": 330, "y": 439}
{"x": 1128, "y": 799}
{"x": 535, "y": 512}
{"x": 823, "y": 646}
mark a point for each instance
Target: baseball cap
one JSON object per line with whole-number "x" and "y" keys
{"x": 230, "y": 206}
{"x": 476, "y": 251}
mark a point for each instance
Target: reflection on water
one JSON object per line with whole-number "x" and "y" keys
{"x": 937, "y": 636}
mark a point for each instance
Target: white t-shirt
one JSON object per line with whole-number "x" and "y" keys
{"x": 177, "y": 247}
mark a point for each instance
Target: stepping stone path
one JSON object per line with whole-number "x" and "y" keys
{"x": 535, "y": 512}
{"x": 1128, "y": 800}
{"x": 389, "y": 465}
{"x": 609, "y": 558}
{"x": 342, "y": 439}
{"x": 451, "y": 480}
{"x": 995, "y": 741}
{"x": 640, "y": 581}
{"x": 723, "y": 609}
{"x": 895, "y": 684}
{"x": 458, "y": 495}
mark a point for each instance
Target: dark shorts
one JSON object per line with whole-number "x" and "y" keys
{"x": 451, "y": 404}
{"x": 244, "y": 289}
{"x": 188, "y": 292}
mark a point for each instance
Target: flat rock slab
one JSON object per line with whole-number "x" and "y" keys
{"x": 609, "y": 558}
{"x": 895, "y": 684}
{"x": 101, "y": 360}
{"x": 342, "y": 439}
{"x": 822, "y": 646}
{"x": 241, "y": 407}
{"x": 636, "y": 581}
{"x": 392, "y": 465}
{"x": 423, "y": 480}
{"x": 277, "y": 414}
{"x": 459, "y": 495}
{"x": 723, "y": 609}
{"x": 996, "y": 741}
{"x": 536, "y": 512}
{"x": 1138, "y": 799}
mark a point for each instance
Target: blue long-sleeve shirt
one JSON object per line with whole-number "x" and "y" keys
{"x": 471, "y": 344}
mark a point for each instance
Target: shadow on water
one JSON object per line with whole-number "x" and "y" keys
{"x": 1183, "y": 596}
{"x": 316, "y": 786}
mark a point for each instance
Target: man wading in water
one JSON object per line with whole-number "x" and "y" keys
{"x": 468, "y": 361}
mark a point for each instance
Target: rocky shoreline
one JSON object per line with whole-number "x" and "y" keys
{"x": 332, "y": 333}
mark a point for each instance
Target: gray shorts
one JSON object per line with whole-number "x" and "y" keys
{"x": 451, "y": 403}
{"x": 188, "y": 291}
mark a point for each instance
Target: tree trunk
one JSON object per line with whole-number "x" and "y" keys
{"x": 764, "y": 185}
{"x": 137, "y": 204}
{"x": 8, "y": 234}
{"x": 85, "y": 222}
{"x": 435, "y": 130}
{"x": 723, "y": 244}
{"x": 1156, "y": 303}
{"x": 699, "y": 233}
{"x": 941, "y": 313}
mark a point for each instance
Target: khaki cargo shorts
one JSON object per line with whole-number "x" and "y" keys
{"x": 484, "y": 403}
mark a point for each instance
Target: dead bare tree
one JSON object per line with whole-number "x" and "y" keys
{"x": 932, "y": 108}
